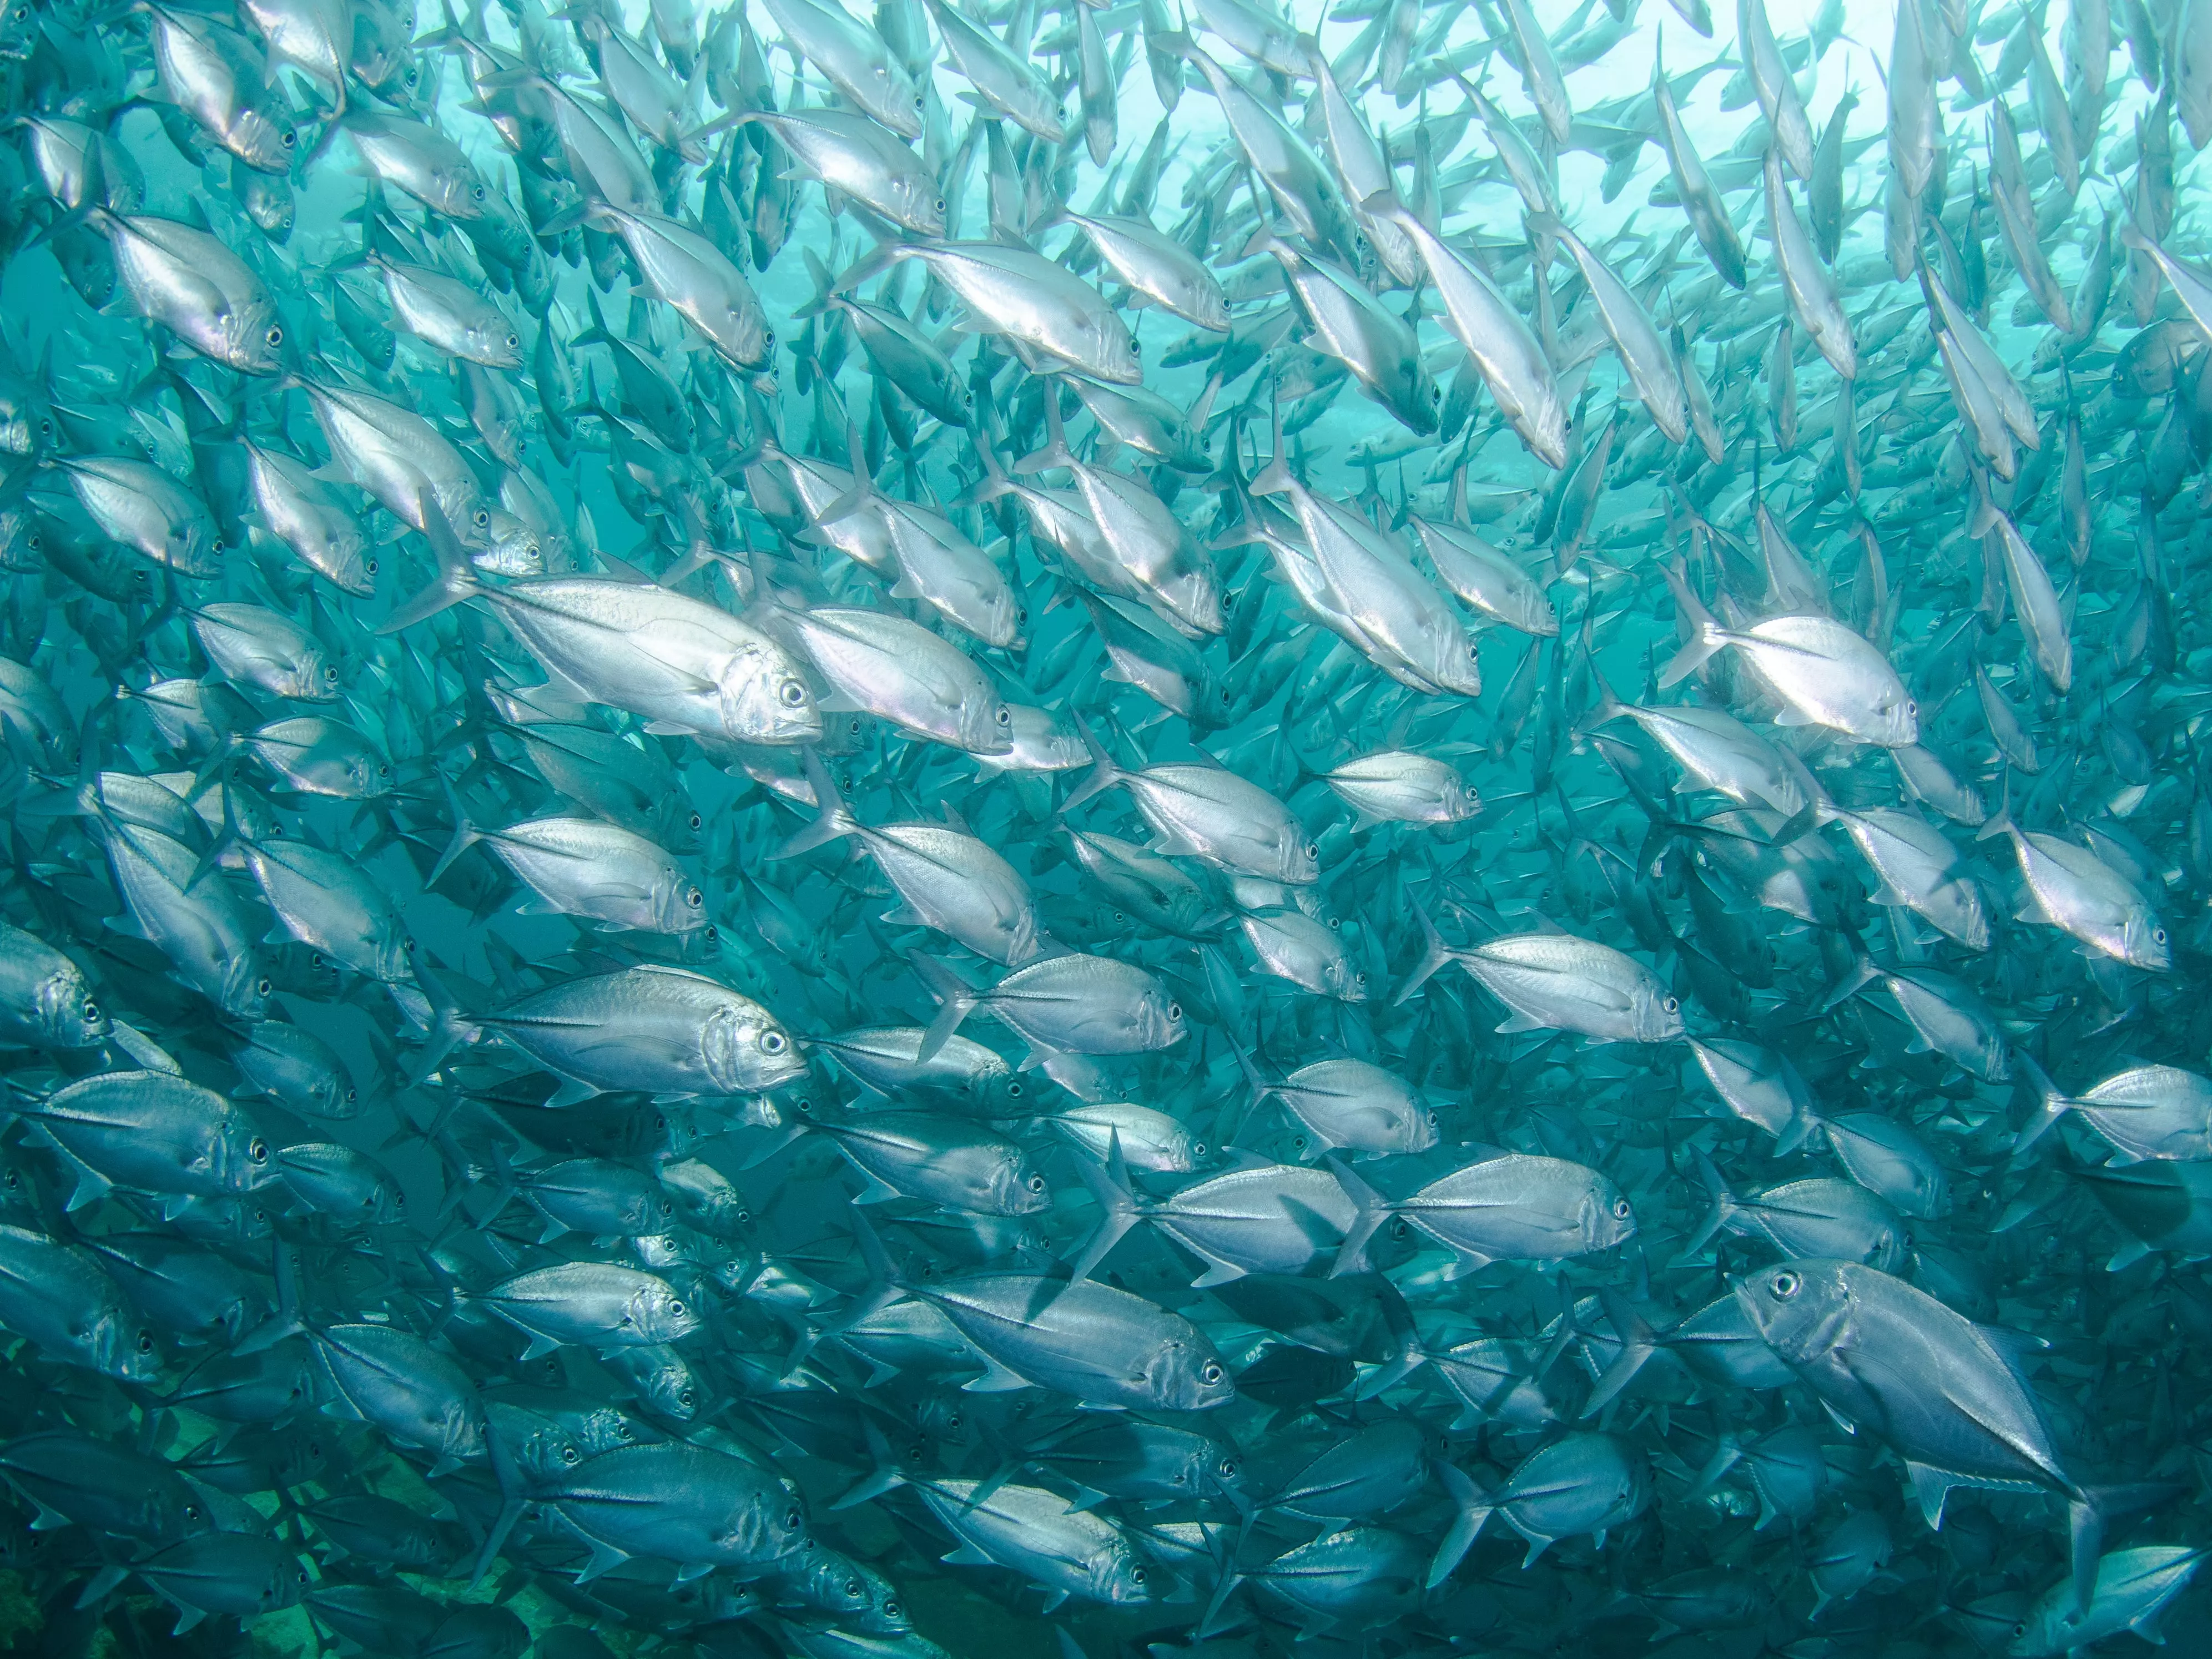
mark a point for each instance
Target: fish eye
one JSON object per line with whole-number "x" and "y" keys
{"x": 918, "y": 100}
{"x": 684, "y": 1398}
{"x": 676, "y": 1308}
{"x": 891, "y": 1610}
{"x": 940, "y": 204}
{"x": 1211, "y": 1374}
{"x": 1198, "y": 1149}
{"x": 257, "y": 1150}
{"x": 1911, "y": 709}
{"x": 91, "y": 1011}
{"x": 514, "y": 339}
{"x": 697, "y": 822}
{"x": 1336, "y": 924}
{"x": 477, "y": 191}
{"x": 793, "y": 693}
{"x": 1783, "y": 1285}
{"x": 2158, "y": 936}
{"x": 1014, "y": 1090}
{"x": 1671, "y": 1004}
{"x": 368, "y": 566}
{"x": 287, "y": 138}
{"x": 1136, "y": 1574}
{"x": 145, "y": 1342}
{"x": 695, "y": 898}
{"x": 792, "y": 1520}
{"x": 1435, "y": 394}
{"x": 1313, "y": 850}
{"x": 1175, "y": 1012}
{"x": 275, "y": 335}
{"x": 774, "y": 1043}
{"x": 1620, "y": 1209}
{"x": 570, "y": 1456}
{"x": 1036, "y": 1183}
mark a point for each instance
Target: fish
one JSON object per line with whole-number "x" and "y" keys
{"x": 741, "y": 748}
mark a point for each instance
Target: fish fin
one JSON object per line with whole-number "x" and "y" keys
{"x": 955, "y": 1002}
{"x": 1930, "y": 1486}
{"x": 1110, "y": 1186}
{"x": 572, "y": 1092}
{"x": 1435, "y": 954}
{"x": 967, "y": 1556}
{"x": 1705, "y": 636}
{"x": 457, "y": 579}
{"x": 996, "y": 1379}
{"x": 1351, "y": 1254}
{"x": 1472, "y": 1508}
{"x": 1217, "y": 1272}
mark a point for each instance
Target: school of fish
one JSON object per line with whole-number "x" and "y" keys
{"x": 1088, "y": 831}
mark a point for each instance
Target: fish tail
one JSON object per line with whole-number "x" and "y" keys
{"x": 1105, "y": 773}
{"x": 1435, "y": 954}
{"x": 1705, "y": 635}
{"x": 1638, "y": 1342}
{"x": 1724, "y": 1206}
{"x": 465, "y": 834}
{"x": 832, "y": 820}
{"x": 1110, "y": 1185}
{"x": 2051, "y": 1105}
{"x": 457, "y": 579}
{"x": 1374, "y": 1210}
{"x": 512, "y": 1497}
{"x": 1055, "y": 451}
{"x": 1472, "y": 1508}
{"x": 955, "y": 1002}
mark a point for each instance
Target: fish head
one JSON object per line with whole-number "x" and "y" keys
{"x": 665, "y": 1383}
{"x": 315, "y": 679}
{"x": 253, "y": 339}
{"x": 2143, "y": 942}
{"x": 495, "y": 343}
{"x": 246, "y": 989}
{"x": 124, "y": 1347}
{"x": 68, "y": 1014}
{"x": 1658, "y": 1013}
{"x": 986, "y": 725}
{"x": 1606, "y": 1216}
{"x": 767, "y": 700}
{"x": 658, "y": 1314}
{"x": 1016, "y": 1187}
{"x": 1189, "y": 1376}
{"x": 747, "y": 1052}
{"x": 263, "y": 138}
{"x": 998, "y": 1093}
{"x": 679, "y": 905}
{"x": 1801, "y": 1309}
{"x": 1118, "y": 1577}
{"x": 1300, "y": 856}
{"x": 1160, "y": 1019}
{"x": 922, "y": 204}
{"x": 1117, "y": 357}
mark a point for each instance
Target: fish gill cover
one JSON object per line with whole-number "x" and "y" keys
{"x": 1078, "y": 831}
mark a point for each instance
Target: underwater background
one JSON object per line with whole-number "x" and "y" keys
{"x": 1073, "y": 830}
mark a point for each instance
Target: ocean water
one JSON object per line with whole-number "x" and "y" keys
{"x": 1570, "y": 1358}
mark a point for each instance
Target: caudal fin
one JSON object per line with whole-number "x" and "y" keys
{"x": 1435, "y": 954}
{"x": 1704, "y": 634}
{"x": 1373, "y": 1211}
{"x": 1472, "y": 1507}
{"x": 831, "y": 822}
{"x": 956, "y": 1001}
{"x": 457, "y": 578}
{"x": 1105, "y": 773}
{"x": 1117, "y": 1205}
